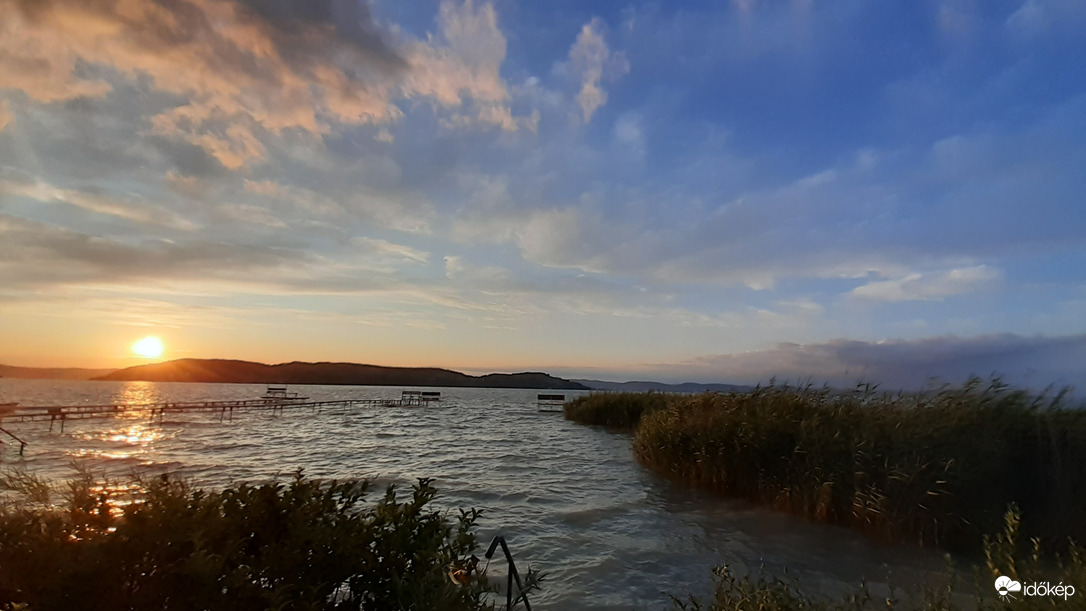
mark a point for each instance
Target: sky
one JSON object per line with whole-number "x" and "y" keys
{"x": 679, "y": 191}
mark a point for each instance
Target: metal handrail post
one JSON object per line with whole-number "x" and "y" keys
{"x": 500, "y": 540}
{"x": 22, "y": 444}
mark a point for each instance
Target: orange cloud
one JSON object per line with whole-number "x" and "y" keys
{"x": 243, "y": 75}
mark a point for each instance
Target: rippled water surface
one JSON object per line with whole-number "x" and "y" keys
{"x": 570, "y": 499}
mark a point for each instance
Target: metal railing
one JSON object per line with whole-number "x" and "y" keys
{"x": 513, "y": 575}
{"x": 22, "y": 444}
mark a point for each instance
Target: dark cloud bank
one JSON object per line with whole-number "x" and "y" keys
{"x": 1033, "y": 362}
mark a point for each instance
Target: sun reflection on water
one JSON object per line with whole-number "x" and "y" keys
{"x": 136, "y": 434}
{"x": 108, "y": 455}
{"x": 138, "y": 393}
{"x": 133, "y": 441}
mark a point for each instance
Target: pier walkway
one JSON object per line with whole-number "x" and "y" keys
{"x": 62, "y": 413}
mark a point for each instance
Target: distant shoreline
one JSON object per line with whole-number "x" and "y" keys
{"x": 493, "y": 380}
{"x": 346, "y": 374}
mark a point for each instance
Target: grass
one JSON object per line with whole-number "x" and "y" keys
{"x": 306, "y": 544}
{"x": 938, "y": 468}
{"x": 618, "y": 410}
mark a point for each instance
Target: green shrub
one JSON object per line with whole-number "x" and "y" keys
{"x": 303, "y": 545}
{"x": 619, "y": 410}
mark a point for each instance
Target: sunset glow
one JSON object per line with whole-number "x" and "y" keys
{"x": 149, "y": 347}
{"x": 715, "y": 191}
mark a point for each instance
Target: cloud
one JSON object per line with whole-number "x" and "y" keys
{"x": 461, "y": 68}
{"x": 189, "y": 186}
{"x": 557, "y": 237}
{"x": 467, "y": 64}
{"x": 728, "y": 201}
{"x": 238, "y": 73}
{"x": 815, "y": 227}
{"x": 630, "y": 134}
{"x": 1030, "y": 18}
{"x": 141, "y": 212}
{"x": 390, "y": 250}
{"x": 351, "y": 20}
{"x": 1035, "y": 362}
{"x": 383, "y": 135}
{"x": 33, "y": 61}
{"x": 949, "y": 209}
{"x": 249, "y": 72}
{"x": 518, "y": 299}
{"x": 930, "y": 286}
{"x": 34, "y": 256}
{"x": 100, "y": 304}
{"x": 1034, "y": 18}
{"x": 594, "y": 63}
{"x": 5, "y": 114}
{"x": 342, "y": 209}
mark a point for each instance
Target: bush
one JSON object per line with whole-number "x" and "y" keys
{"x": 304, "y": 545}
{"x": 620, "y": 410}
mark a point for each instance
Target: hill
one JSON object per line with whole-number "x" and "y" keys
{"x": 51, "y": 373}
{"x": 248, "y": 372}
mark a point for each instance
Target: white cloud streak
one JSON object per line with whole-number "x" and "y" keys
{"x": 595, "y": 63}
{"x": 931, "y": 286}
{"x": 135, "y": 210}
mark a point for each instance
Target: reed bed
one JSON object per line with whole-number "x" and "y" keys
{"x": 935, "y": 468}
{"x": 616, "y": 410}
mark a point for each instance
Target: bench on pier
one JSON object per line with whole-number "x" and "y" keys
{"x": 280, "y": 393}
{"x": 416, "y": 398}
{"x": 550, "y": 403}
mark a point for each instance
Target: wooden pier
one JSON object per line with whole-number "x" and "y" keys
{"x": 225, "y": 409}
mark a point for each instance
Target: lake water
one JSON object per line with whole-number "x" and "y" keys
{"x": 570, "y": 499}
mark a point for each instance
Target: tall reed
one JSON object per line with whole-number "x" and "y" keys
{"x": 617, "y": 410}
{"x": 939, "y": 467}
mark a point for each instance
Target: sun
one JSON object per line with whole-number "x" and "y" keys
{"x": 149, "y": 347}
